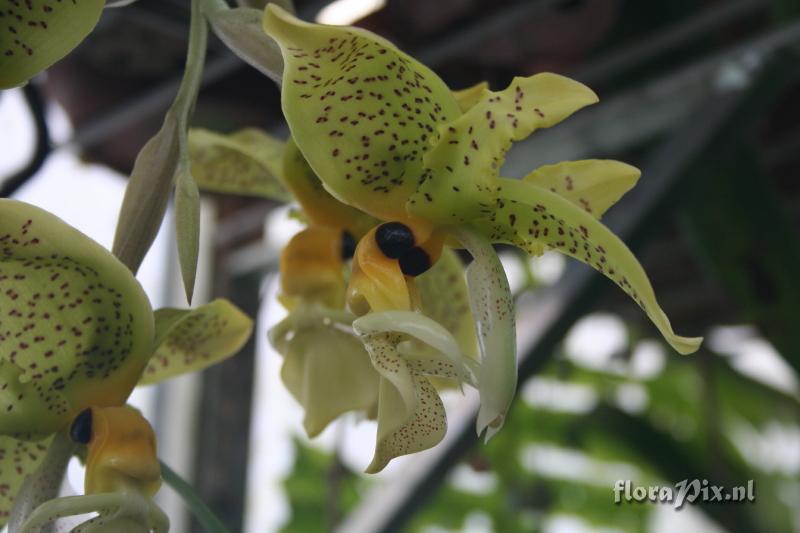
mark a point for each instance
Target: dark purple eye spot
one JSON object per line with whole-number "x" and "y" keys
{"x": 415, "y": 262}
{"x": 81, "y": 429}
{"x": 394, "y": 239}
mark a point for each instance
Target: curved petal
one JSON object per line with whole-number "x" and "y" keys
{"x": 376, "y": 283}
{"x": 77, "y": 326}
{"x": 411, "y": 416}
{"x": 493, "y": 308}
{"x": 415, "y": 325}
{"x": 425, "y": 429}
{"x": 246, "y": 162}
{"x": 594, "y": 185}
{"x": 382, "y": 349}
{"x": 121, "y": 453}
{"x": 527, "y": 215}
{"x": 466, "y": 158}
{"x": 329, "y": 373}
{"x": 312, "y": 268}
{"x": 361, "y": 111}
{"x": 37, "y": 33}
{"x": 193, "y": 339}
{"x": 240, "y": 29}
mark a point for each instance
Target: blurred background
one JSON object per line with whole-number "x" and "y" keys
{"x": 702, "y": 95}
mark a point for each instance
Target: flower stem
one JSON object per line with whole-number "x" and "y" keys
{"x": 199, "y": 509}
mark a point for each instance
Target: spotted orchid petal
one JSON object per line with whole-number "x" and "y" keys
{"x": 423, "y": 429}
{"x": 37, "y": 33}
{"x": 411, "y": 416}
{"x": 527, "y": 215}
{"x": 319, "y": 206}
{"x": 18, "y": 459}
{"x": 246, "y": 162}
{"x": 326, "y": 369}
{"x": 422, "y": 329}
{"x": 362, "y": 111}
{"x": 78, "y": 328}
{"x": 461, "y": 167}
{"x": 594, "y": 185}
{"x": 493, "y": 308}
{"x": 190, "y": 340}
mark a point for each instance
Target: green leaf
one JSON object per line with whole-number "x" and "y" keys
{"x": 77, "y": 326}
{"x": 327, "y": 370}
{"x": 246, "y": 162}
{"x": 37, "y": 33}
{"x": 240, "y": 30}
{"x": 361, "y": 111}
{"x": 529, "y": 216}
{"x": 18, "y": 459}
{"x": 493, "y": 308}
{"x": 465, "y": 160}
{"x": 193, "y": 339}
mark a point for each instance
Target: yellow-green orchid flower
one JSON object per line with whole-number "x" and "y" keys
{"x": 386, "y": 135}
{"x": 326, "y": 368}
{"x": 37, "y": 33}
{"x": 78, "y": 333}
{"x": 122, "y": 475}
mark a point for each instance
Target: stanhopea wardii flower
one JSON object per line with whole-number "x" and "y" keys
{"x": 387, "y": 136}
{"x": 386, "y": 366}
{"x": 78, "y": 333}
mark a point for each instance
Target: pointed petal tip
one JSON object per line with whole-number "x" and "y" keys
{"x": 685, "y": 345}
{"x": 489, "y": 421}
{"x": 577, "y": 89}
{"x": 375, "y": 466}
{"x": 276, "y": 19}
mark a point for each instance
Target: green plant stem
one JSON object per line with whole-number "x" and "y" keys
{"x": 199, "y": 509}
